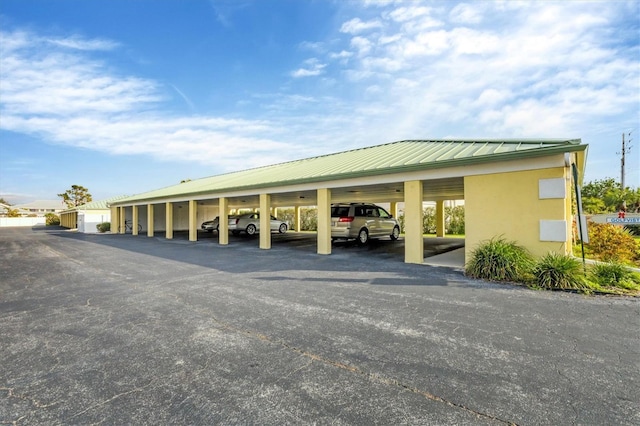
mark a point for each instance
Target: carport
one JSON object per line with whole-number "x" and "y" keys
{"x": 517, "y": 189}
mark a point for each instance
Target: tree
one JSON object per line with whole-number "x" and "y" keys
{"x": 606, "y": 196}
{"x": 76, "y": 196}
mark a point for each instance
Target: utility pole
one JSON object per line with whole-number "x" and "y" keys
{"x": 623, "y": 152}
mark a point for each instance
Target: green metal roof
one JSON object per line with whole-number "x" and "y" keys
{"x": 97, "y": 205}
{"x": 395, "y": 157}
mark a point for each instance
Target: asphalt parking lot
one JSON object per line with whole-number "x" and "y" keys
{"x": 122, "y": 329}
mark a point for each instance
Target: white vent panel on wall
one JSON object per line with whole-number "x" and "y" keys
{"x": 553, "y": 230}
{"x": 551, "y": 188}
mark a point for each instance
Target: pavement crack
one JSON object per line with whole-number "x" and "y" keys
{"x": 374, "y": 377}
{"x": 113, "y": 398}
{"x": 25, "y": 397}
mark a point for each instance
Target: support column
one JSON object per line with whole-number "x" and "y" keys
{"x": 440, "y": 228}
{"x": 324, "y": 221}
{"x": 297, "y": 222}
{"x": 150, "y": 220}
{"x": 265, "y": 221}
{"x": 193, "y": 217}
{"x": 169, "y": 221}
{"x": 393, "y": 207}
{"x": 134, "y": 220}
{"x": 123, "y": 217}
{"x": 413, "y": 218}
{"x": 115, "y": 220}
{"x": 223, "y": 221}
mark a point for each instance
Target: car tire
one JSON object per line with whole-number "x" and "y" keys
{"x": 363, "y": 236}
{"x": 283, "y": 228}
{"x": 251, "y": 229}
{"x": 395, "y": 234}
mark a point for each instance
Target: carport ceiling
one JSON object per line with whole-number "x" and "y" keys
{"x": 438, "y": 189}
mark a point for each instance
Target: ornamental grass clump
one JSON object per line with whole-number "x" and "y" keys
{"x": 558, "y": 271}
{"x": 615, "y": 275}
{"x": 500, "y": 260}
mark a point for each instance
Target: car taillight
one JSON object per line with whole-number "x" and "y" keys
{"x": 346, "y": 219}
{"x": 237, "y": 220}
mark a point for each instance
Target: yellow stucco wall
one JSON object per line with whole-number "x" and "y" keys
{"x": 508, "y": 205}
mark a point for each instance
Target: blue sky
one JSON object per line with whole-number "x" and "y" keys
{"x": 126, "y": 96}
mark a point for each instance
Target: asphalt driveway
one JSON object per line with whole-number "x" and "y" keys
{"x": 117, "y": 329}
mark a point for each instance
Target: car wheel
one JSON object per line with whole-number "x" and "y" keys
{"x": 395, "y": 233}
{"x": 283, "y": 228}
{"x": 251, "y": 229}
{"x": 363, "y": 236}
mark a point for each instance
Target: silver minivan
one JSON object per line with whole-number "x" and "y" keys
{"x": 362, "y": 221}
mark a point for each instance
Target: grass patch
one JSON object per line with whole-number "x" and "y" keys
{"x": 615, "y": 276}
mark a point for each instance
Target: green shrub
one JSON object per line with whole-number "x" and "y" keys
{"x": 308, "y": 218}
{"x": 615, "y": 275}
{"x": 612, "y": 243}
{"x": 104, "y": 227}
{"x": 52, "y": 219}
{"x": 499, "y": 260}
{"x": 558, "y": 271}
{"x": 455, "y": 220}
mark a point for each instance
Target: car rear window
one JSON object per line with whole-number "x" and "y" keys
{"x": 340, "y": 211}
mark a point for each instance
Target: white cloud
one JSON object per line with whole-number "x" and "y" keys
{"x": 482, "y": 69}
{"x": 71, "y": 98}
{"x": 356, "y": 26}
{"x": 312, "y": 67}
{"x": 362, "y": 45}
{"x": 79, "y": 43}
{"x": 465, "y": 13}
{"x": 404, "y": 14}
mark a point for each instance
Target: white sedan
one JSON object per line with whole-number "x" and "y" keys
{"x": 250, "y": 224}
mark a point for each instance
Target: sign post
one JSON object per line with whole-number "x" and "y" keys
{"x": 580, "y": 216}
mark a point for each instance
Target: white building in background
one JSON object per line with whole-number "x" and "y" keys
{"x": 39, "y": 208}
{"x": 86, "y": 217}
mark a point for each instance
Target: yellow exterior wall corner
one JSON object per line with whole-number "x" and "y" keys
{"x": 507, "y": 205}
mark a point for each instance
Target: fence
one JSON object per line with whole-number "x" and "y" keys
{"x": 21, "y": 221}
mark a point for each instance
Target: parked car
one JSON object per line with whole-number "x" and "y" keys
{"x": 250, "y": 224}
{"x": 210, "y": 225}
{"x": 362, "y": 221}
